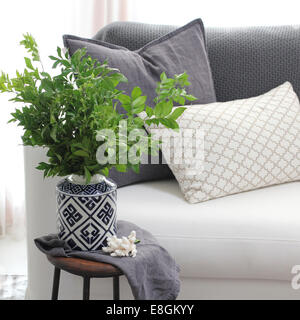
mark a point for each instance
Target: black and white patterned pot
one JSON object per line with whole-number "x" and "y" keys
{"x": 86, "y": 214}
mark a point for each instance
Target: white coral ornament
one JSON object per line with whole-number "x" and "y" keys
{"x": 122, "y": 247}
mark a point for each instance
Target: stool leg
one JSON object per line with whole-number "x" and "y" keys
{"x": 86, "y": 288}
{"x": 116, "y": 288}
{"x": 55, "y": 287}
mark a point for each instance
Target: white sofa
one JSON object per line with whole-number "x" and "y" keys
{"x": 237, "y": 247}
{"x": 242, "y": 246}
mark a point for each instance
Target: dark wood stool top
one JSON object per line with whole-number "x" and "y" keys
{"x": 85, "y": 268}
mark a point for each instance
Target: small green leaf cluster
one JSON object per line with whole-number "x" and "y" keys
{"x": 63, "y": 113}
{"x": 169, "y": 90}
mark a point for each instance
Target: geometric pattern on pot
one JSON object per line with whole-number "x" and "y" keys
{"x": 248, "y": 144}
{"x": 85, "y": 222}
{"x": 91, "y": 189}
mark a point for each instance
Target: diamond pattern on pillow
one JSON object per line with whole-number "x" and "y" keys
{"x": 248, "y": 144}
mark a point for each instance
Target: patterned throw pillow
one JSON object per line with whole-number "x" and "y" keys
{"x": 246, "y": 144}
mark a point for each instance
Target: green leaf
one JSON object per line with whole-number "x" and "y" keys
{"x": 167, "y": 84}
{"x": 139, "y": 122}
{"x": 42, "y": 166}
{"x": 177, "y": 113}
{"x": 67, "y": 55}
{"x": 190, "y": 97}
{"x": 136, "y": 92}
{"x": 158, "y": 109}
{"x": 59, "y": 157}
{"x": 55, "y": 64}
{"x": 53, "y": 58}
{"x": 59, "y": 52}
{"x": 53, "y": 133}
{"x": 166, "y": 122}
{"x": 163, "y": 77}
{"x": 47, "y": 84}
{"x": 149, "y": 112}
{"x": 181, "y": 100}
{"x": 65, "y": 63}
{"x": 152, "y": 121}
{"x": 28, "y": 63}
{"x": 52, "y": 118}
{"x": 45, "y": 74}
{"x": 124, "y": 99}
{"x": 116, "y": 78}
{"x": 138, "y": 109}
{"x": 169, "y": 123}
{"x": 87, "y": 175}
{"x": 138, "y": 102}
{"x": 105, "y": 171}
{"x": 166, "y": 108}
{"x": 81, "y": 153}
{"x": 121, "y": 167}
{"x": 182, "y": 79}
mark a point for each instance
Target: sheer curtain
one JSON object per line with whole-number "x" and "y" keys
{"x": 47, "y": 21}
{"x": 107, "y": 11}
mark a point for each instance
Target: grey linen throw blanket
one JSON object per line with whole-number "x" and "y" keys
{"x": 152, "y": 274}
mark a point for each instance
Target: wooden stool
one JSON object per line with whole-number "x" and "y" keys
{"x": 86, "y": 269}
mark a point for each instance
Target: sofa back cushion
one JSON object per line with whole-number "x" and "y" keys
{"x": 245, "y": 62}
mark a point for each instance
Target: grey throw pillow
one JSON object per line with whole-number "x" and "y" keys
{"x": 182, "y": 50}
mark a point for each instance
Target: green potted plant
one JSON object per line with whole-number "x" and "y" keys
{"x": 69, "y": 114}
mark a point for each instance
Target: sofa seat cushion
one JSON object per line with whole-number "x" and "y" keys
{"x": 251, "y": 235}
